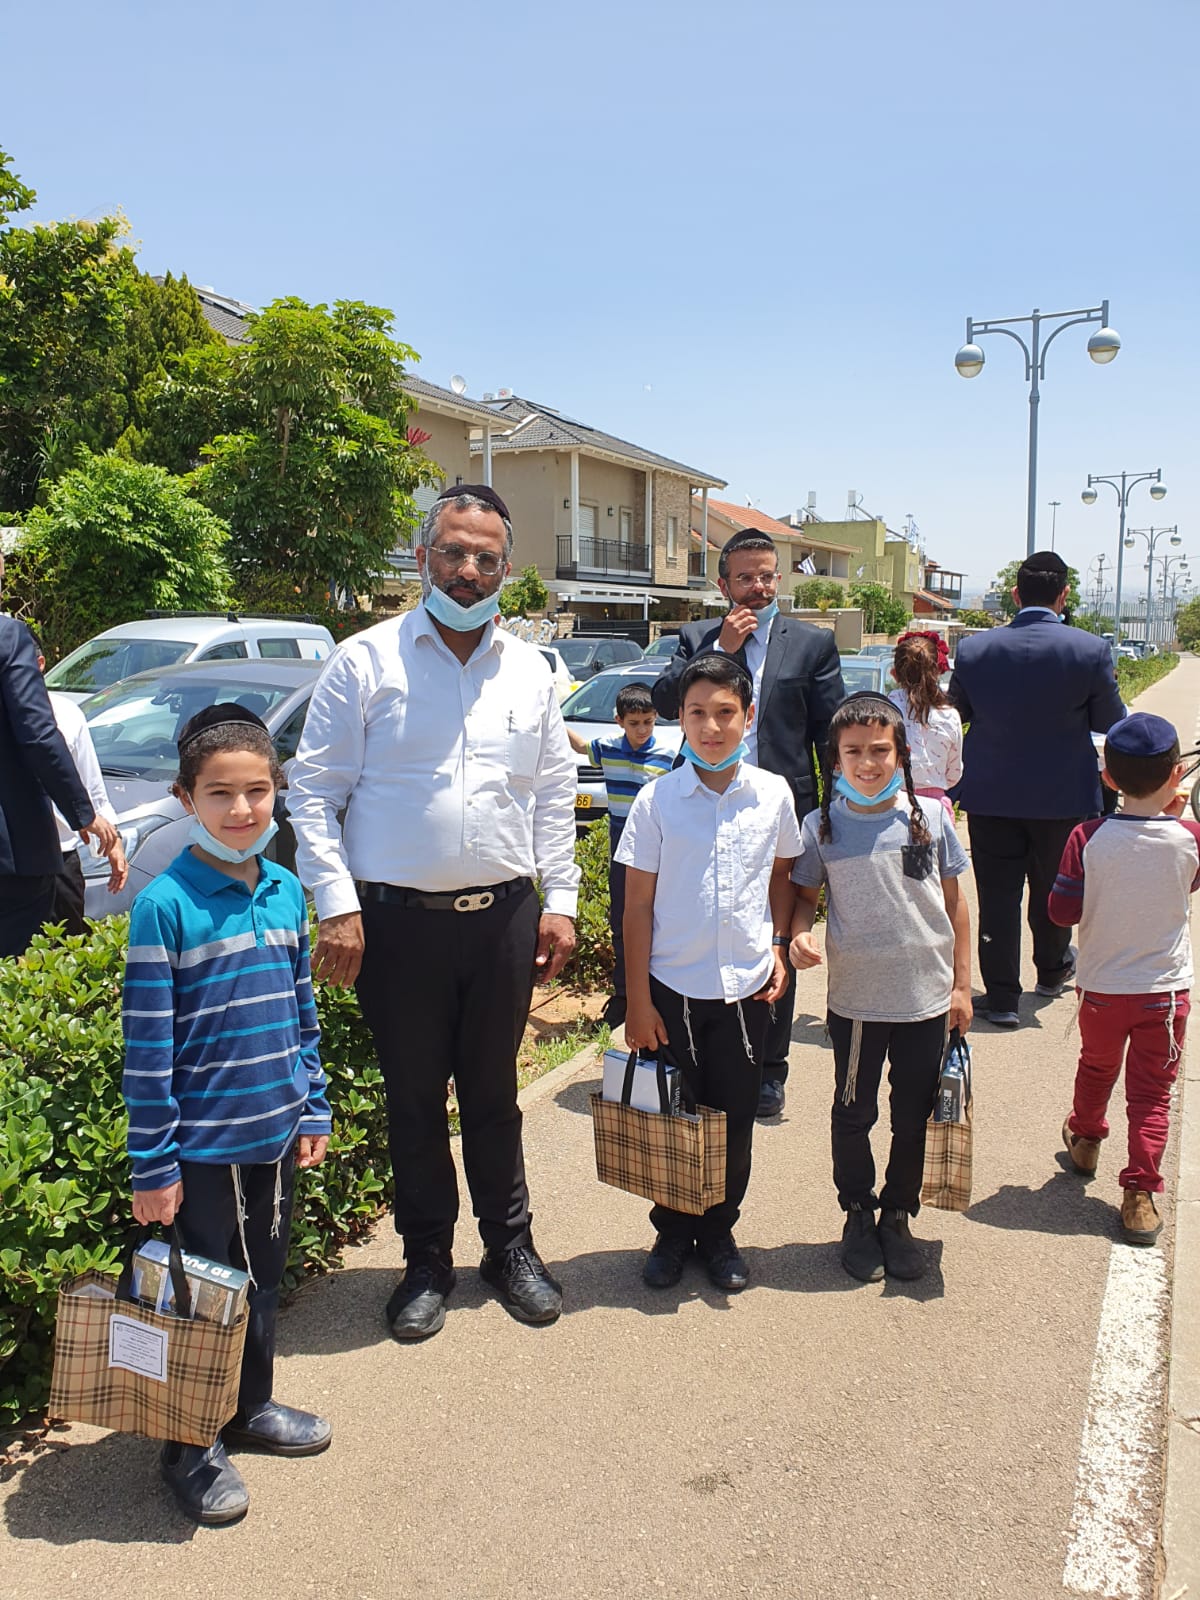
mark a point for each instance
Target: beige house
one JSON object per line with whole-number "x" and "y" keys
{"x": 607, "y": 523}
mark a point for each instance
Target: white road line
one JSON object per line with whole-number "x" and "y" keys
{"x": 1114, "y": 1526}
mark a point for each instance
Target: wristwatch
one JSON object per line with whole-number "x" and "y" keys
{"x": 780, "y": 939}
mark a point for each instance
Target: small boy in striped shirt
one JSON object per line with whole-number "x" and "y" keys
{"x": 627, "y": 764}
{"x": 223, "y": 1080}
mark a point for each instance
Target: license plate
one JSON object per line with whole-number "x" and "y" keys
{"x": 583, "y": 802}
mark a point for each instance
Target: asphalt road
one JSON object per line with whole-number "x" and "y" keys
{"x": 810, "y": 1437}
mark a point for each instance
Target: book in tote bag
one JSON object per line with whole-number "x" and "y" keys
{"x": 946, "y": 1182}
{"x": 676, "y": 1159}
{"x": 119, "y": 1364}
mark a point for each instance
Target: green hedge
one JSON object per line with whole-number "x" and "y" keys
{"x": 1134, "y": 676}
{"x": 64, "y": 1174}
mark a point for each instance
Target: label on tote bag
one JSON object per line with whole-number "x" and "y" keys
{"x": 137, "y": 1348}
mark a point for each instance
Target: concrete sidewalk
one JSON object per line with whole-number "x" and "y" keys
{"x": 810, "y": 1437}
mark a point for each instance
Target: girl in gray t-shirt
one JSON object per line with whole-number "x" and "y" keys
{"x": 899, "y": 952}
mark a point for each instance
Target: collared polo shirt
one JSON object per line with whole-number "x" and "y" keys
{"x": 713, "y": 855}
{"x": 627, "y": 770}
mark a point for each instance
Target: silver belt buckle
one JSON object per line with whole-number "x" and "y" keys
{"x": 474, "y": 902}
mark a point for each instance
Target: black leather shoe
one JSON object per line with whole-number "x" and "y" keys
{"x": 525, "y": 1287}
{"x": 205, "y": 1482}
{"x": 862, "y": 1254}
{"x": 280, "y": 1430}
{"x": 770, "y": 1098}
{"x": 727, "y": 1269}
{"x": 902, "y": 1256}
{"x": 664, "y": 1265}
{"x": 417, "y": 1308}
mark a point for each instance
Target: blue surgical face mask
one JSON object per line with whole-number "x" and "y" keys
{"x": 688, "y": 754}
{"x": 200, "y": 835}
{"x": 767, "y": 613}
{"x": 463, "y": 619}
{"x": 844, "y": 787}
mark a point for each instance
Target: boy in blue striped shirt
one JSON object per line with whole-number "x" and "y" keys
{"x": 223, "y": 1080}
{"x": 627, "y": 763}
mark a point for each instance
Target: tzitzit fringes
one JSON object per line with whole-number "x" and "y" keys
{"x": 687, "y": 1023}
{"x": 745, "y": 1035}
{"x": 239, "y": 1200}
{"x": 1173, "y": 1049}
{"x": 278, "y": 1201}
{"x": 851, "y": 1089}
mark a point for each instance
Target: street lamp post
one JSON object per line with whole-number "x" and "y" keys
{"x": 1167, "y": 563}
{"x": 1054, "y": 505}
{"x": 1102, "y": 347}
{"x": 1121, "y": 486}
{"x": 1151, "y": 536}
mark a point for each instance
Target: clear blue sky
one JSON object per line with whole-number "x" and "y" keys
{"x": 747, "y": 235}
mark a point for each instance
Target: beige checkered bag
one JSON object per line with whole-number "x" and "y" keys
{"x": 119, "y": 1365}
{"x": 674, "y": 1159}
{"x": 946, "y": 1182}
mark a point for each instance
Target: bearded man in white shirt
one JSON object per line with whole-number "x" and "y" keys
{"x": 439, "y": 736}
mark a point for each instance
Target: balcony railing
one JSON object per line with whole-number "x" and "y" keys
{"x": 602, "y": 558}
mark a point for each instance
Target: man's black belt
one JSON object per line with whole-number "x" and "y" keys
{"x": 477, "y": 899}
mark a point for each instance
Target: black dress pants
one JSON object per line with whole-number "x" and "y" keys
{"x": 69, "y": 895}
{"x": 779, "y": 1031}
{"x": 24, "y": 906}
{"x": 915, "y": 1050}
{"x": 446, "y": 995}
{"x": 208, "y": 1226}
{"x": 1005, "y": 852}
{"x": 723, "y": 1074}
{"x": 616, "y": 904}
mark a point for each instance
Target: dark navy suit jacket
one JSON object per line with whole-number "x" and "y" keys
{"x": 1033, "y": 693}
{"x": 801, "y": 689}
{"x": 35, "y": 764}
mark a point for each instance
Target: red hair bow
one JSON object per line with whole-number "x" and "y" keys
{"x": 943, "y": 654}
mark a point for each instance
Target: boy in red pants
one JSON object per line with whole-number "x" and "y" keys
{"x": 1126, "y": 879}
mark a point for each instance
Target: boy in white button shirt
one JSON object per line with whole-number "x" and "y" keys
{"x": 708, "y": 903}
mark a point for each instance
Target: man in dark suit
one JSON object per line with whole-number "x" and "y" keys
{"x": 35, "y": 768}
{"x": 1033, "y": 694}
{"x": 797, "y": 687}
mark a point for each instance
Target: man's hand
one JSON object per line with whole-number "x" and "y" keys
{"x": 644, "y": 1029}
{"x": 777, "y": 983}
{"x": 962, "y": 1011}
{"x": 555, "y": 946}
{"x": 102, "y": 834}
{"x": 803, "y": 952}
{"x": 339, "y": 953}
{"x": 157, "y": 1205}
{"x": 312, "y": 1148}
{"x": 737, "y": 627}
{"x": 119, "y": 869}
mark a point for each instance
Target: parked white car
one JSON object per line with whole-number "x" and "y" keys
{"x": 591, "y": 711}
{"x": 564, "y": 683}
{"x": 168, "y": 641}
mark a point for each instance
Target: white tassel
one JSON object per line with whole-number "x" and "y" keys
{"x": 745, "y": 1035}
{"x": 1173, "y": 1050}
{"x": 275, "y": 1215}
{"x": 687, "y": 1022}
{"x": 851, "y": 1089}
{"x": 240, "y": 1206}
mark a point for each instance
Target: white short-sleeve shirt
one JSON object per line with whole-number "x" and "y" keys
{"x": 713, "y": 854}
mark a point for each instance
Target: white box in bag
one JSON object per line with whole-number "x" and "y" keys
{"x": 644, "y": 1094}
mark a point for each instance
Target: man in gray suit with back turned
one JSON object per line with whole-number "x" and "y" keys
{"x": 797, "y": 687}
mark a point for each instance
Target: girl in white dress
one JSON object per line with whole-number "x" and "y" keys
{"x": 931, "y": 724}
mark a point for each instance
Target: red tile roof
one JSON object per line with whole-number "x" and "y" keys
{"x": 748, "y": 517}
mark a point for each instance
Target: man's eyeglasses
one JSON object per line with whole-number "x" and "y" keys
{"x": 487, "y": 564}
{"x": 760, "y": 580}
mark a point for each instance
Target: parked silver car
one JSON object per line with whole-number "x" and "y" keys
{"x": 590, "y": 713}
{"x": 134, "y": 726}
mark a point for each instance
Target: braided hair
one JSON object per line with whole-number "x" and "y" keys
{"x": 861, "y": 711}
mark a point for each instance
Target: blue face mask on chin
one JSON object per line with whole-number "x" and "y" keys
{"x": 200, "y": 835}
{"x": 688, "y": 754}
{"x": 767, "y": 614}
{"x": 462, "y": 619}
{"x": 845, "y": 788}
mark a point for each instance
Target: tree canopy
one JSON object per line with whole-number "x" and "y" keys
{"x": 882, "y": 611}
{"x": 1187, "y": 625}
{"x": 1005, "y": 582}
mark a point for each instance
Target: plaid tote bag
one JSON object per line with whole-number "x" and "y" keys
{"x": 675, "y": 1159}
{"x": 946, "y": 1182}
{"x": 120, "y": 1365}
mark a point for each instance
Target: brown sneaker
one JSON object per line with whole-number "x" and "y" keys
{"x": 1139, "y": 1217}
{"x": 1084, "y": 1153}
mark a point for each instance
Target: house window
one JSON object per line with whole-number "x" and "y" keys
{"x": 672, "y": 536}
{"x": 626, "y": 525}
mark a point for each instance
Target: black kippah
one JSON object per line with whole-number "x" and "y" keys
{"x": 227, "y": 715}
{"x": 1046, "y": 563}
{"x": 477, "y": 491}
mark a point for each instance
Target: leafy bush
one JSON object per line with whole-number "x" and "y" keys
{"x": 810, "y": 594}
{"x": 1134, "y": 676}
{"x": 524, "y": 594}
{"x": 975, "y": 619}
{"x": 64, "y": 1174}
{"x": 592, "y": 963}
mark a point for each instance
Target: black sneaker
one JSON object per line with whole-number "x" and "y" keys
{"x": 525, "y": 1287}
{"x": 862, "y": 1256}
{"x": 770, "y": 1098}
{"x": 417, "y": 1309}
{"x": 666, "y": 1261}
{"x": 727, "y": 1269}
{"x": 902, "y": 1256}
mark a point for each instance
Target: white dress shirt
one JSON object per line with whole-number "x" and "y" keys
{"x": 713, "y": 854}
{"x": 756, "y": 659}
{"x": 452, "y": 776}
{"x": 74, "y": 729}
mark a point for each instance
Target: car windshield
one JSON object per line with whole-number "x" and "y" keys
{"x": 103, "y": 661}
{"x": 134, "y": 726}
{"x": 596, "y": 700}
{"x": 863, "y": 672}
{"x": 576, "y": 652}
{"x": 666, "y": 645}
